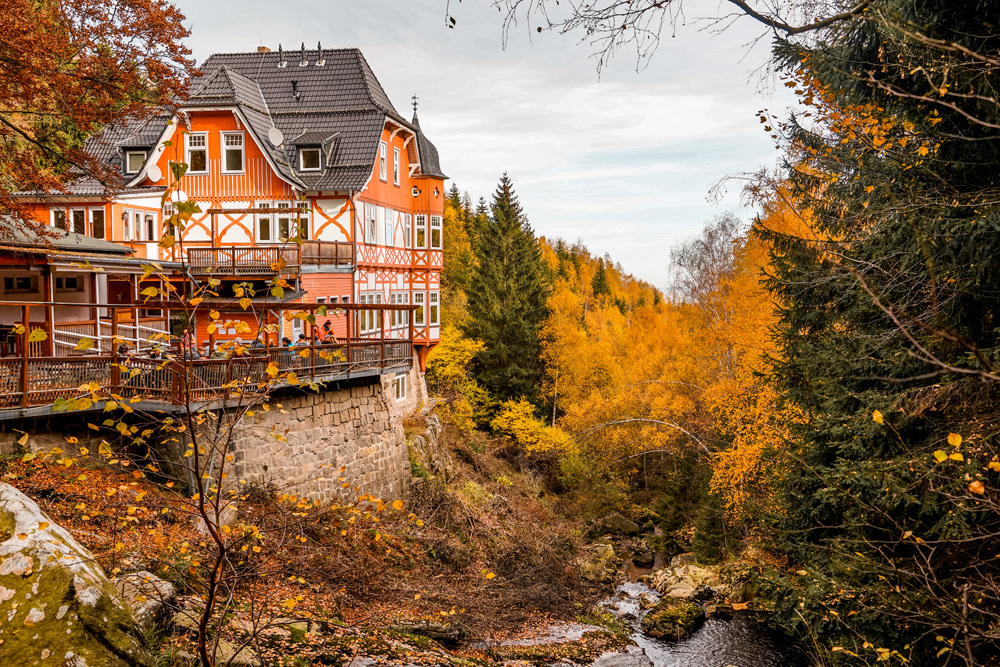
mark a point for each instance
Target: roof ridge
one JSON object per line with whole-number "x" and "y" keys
{"x": 367, "y": 71}
{"x": 211, "y": 77}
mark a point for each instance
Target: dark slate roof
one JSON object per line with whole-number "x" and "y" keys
{"x": 16, "y": 233}
{"x": 339, "y": 105}
{"x": 430, "y": 164}
{"x": 89, "y": 186}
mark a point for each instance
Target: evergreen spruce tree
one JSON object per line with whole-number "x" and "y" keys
{"x": 599, "y": 284}
{"x": 507, "y": 299}
{"x": 890, "y": 341}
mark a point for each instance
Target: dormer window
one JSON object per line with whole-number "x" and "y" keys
{"x": 309, "y": 159}
{"x": 134, "y": 161}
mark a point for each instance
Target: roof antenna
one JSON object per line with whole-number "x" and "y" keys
{"x": 303, "y": 62}
{"x": 281, "y": 56}
{"x": 321, "y": 61}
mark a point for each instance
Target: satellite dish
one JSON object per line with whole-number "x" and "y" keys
{"x": 178, "y": 196}
{"x": 154, "y": 173}
{"x": 275, "y": 136}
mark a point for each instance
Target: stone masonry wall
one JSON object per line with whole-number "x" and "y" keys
{"x": 357, "y": 427}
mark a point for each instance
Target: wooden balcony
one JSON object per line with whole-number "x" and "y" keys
{"x": 262, "y": 260}
{"x": 43, "y": 373}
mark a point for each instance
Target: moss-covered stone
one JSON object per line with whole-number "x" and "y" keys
{"x": 673, "y": 619}
{"x": 56, "y": 605}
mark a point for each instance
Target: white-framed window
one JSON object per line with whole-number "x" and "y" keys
{"x": 78, "y": 220}
{"x": 97, "y": 223}
{"x": 408, "y": 231}
{"x": 321, "y": 299}
{"x": 421, "y": 232}
{"x": 395, "y": 166}
{"x": 137, "y": 225}
{"x": 369, "y": 319}
{"x": 309, "y": 159}
{"x": 331, "y": 299}
{"x": 381, "y": 160}
{"x": 59, "y": 218}
{"x": 285, "y": 221}
{"x": 436, "y": 232}
{"x": 399, "y": 318}
{"x": 196, "y": 151}
{"x": 263, "y": 229}
{"x": 371, "y": 228}
{"x": 127, "y": 224}
{"x": 69, "y": 284}
{"x": 150, "y": 227}
{"x": 390, "y": 218}
{"x": 418, "y": 314}
{"x": 300, "y": 224}
{"x": 346, "y": 298}
{"x": 433, "y": 311}
{"x": 232, "y": 153}
{"x": 399, "y": 384}
{"x": 20, "y": 284}
{"x": 134, "y": 161}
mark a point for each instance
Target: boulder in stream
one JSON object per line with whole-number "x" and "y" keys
{"x": 673, "y": 619}
{"x": 57, "y": 606}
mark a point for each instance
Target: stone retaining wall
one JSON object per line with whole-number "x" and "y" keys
{"x": 355, "y": 426}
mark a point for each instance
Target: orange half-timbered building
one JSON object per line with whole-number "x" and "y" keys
{"x": 276, "y": 142}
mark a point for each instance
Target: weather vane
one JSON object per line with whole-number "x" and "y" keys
{"x": 414, "y": 104}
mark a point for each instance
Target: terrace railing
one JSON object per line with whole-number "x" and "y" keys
{"x": 266, "y": 260}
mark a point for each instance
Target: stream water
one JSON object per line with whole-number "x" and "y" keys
{"x": 740, "y": 642}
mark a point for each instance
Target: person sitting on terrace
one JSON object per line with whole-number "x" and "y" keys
{"x": 302, "y": 341}
{"x": 155, "y": 353}
{"x": 258, "y": 344}
{"x": 124, "y": 351}
{"x": 219, "y": 353}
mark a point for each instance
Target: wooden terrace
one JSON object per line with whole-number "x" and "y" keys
{"x": 266, "y": 260}
{"x": 31, "y": 379}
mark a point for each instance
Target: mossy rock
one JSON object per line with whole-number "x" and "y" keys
{"x": 57, "y": 606}
{"x": 673, "y": 619}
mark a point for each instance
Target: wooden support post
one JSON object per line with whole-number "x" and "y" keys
{"x": 115, "y": 367}
{"x": 49, "y": 325}
{"x": 94, "y": 312}
{"x": 409, "y": 317}
{"x": 25, "y": 313}
{"x": 381, "y": 327}
{"x": 312, "y": 346}
{"x": 349, "y": 315}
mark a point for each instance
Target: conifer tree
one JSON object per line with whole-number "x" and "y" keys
{"x": 507, "y": 299}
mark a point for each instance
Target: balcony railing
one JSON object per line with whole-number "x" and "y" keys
{"x": 268, "y": 260}
{"x": 35, "y": 376}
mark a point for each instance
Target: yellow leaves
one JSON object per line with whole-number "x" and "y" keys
{"x": 877, "y": 417}
{"x": 994, "y": 466}
{"x": 923, "y": 151}
{"x": 397, "y": 505}
{"x": 977, "y": 487}
{"x": 487, "y": 574}
{"x": 30, "y": 456}
{"x": 956, "y": 456}
{"x": 37, "y": 335}
{"x": 84, "y": 344}
{"x": 940, "y": 456}
{"x": 955, "y": 440}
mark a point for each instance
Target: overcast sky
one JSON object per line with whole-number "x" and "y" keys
{"x": 623, "y": 162}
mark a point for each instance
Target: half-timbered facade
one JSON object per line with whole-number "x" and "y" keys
{"x": 301, "y": 167}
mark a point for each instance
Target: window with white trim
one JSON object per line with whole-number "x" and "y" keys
{"x": 436, "y": 232}
{"x": 433, "y": 311}
{"x": 421, "y": 232}
{"x": 418, "y": 314}
{"x": 196, "y": 151}
{"x": 286, "y": 224}
{"x": 381, "y": 160}
{"x": 78, "y": 218}
{"x": 59, "y": 218}
{"x": 390, "y": 218}
{"x": 127, "y": 224}
{"x": 301, "y": 222}
{"x": 309, "y": 159}
{"x": 370, "y": 224}
{"x": 263, "y": 229}
{"x": 232, "y": 153}
{"x": 399, "y": 318}
{"x": 321, "y": 299}
{"x": 137, "y": 227}
{"x": 399, "y": 384}
{"x": 97, "y": 223}
{"x": 395, "y": 166}
{"x": 150, "y": 228}
{"x": 134, "y": 161}
{"x": 408, "y": 232}
{"x": 369, "y": 319}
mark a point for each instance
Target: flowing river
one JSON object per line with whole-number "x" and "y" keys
{"x": 740, "y": 642}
